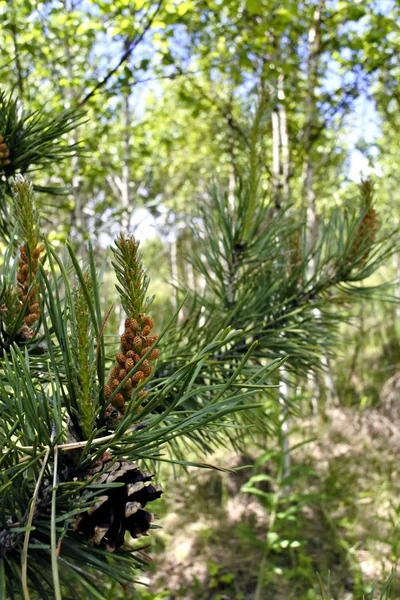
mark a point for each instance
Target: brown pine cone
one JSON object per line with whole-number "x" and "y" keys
{"x": 117, "y": 510}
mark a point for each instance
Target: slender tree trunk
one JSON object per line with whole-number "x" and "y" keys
{"x": 311, "y": 115}
{"x": 276, "y": 157}
{"x": 280, "y": 148}
{"x": 14, "y": 33}
{"x": 280, "y": 181}
{"x": 173, "y": 260}
{"x": 254, "y": 162}
{"x": 125, "y": 188}
{"x": 284, "y": 137}
{"x": 77, "y": 217}
{"x": 284, "y": 394}
{"x": 311, "y": 123}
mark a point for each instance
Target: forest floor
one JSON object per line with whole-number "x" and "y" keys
{"x": 335, "y": 530}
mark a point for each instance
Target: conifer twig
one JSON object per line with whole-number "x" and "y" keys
{"x": 24, "y": 556}
{"x": 76, "y": 445}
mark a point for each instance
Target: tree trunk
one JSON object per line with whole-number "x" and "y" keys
{"x": 125, "y": 187}
{"x": 77, "y": 217}
{"x": 311, "y": 116}
{"x": 311, "y": 123}
{"x": 14, "y": 34}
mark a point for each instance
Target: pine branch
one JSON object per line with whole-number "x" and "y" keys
{"x": 132, "y": 278}
{"x": 73, "y": 490}
{"x": 84, "y": 355}
{"x": 26, "y": 215}
{"x": 34, "y": 139}
{"x": 262, "y": 285}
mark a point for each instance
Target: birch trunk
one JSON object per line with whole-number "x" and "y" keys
{"x": 126, "y": 174}
{"x": 311, "y": 122}
{"x": 281, "y": 194}
{"x": 77, "y": 214}
{"x": 311, "y": 115}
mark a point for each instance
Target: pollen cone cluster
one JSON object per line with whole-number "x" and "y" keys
{"x": 119, "y": 509}
{"x": 4, "y": 153}
{"x": 27, "y": 269}
{"x": 365, "y": 236}
{"x": 136, "y": 341}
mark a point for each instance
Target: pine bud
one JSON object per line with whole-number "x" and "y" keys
{"x": 38, "y": 251}
{"x": 130, "y": 335}
{"x": 119, "y": 401}
{"x": 151, "y": 339}
{"x": 128, "y": 385}
{"x": 148, "y": 322}
{"x": 107, "y": 391}
{"x": 4, "y": 153}
{"x": 146, "y": 330}
{"x": 365, "y": 236}
{"x": 114, "y": 372}
{"x": 137, "y": 342}
{"x": 137, "y": 377}
{"x": 147, "y": 370}
{"x": 132, "y": 324}
{"x": 154, "y": 354}
{"x": 31, "y": 319}
{"x": 129, "y": 364}
{"x": 121, "y": 358}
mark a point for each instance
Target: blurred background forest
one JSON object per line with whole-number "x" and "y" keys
{"x": 301, "y": 100}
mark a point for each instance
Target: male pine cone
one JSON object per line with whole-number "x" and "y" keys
{"x": 365, "y": 236}
{"x": 4, "y": 153}
{"x": 27, "y": 270}
{"x": 136, "y": 341}
{"x": 121, "y": 509}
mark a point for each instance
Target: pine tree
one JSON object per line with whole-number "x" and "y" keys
{"x": 83, "y": 423}
{"x": 30, "y": 141}
{"x": 281, "y": 289}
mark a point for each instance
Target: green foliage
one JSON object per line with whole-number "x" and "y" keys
{"x": 33, "y": 138}
{"x": 262, "y": 285}
{"x": 84, "y": 356}
{"x": 132, "y": 278}
{"x": 25, "y": 214}
{"x": 268, "y": 97}
{"x": 43, "y": 395}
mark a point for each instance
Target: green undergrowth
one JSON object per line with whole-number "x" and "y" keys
{"x": 328, "y": 530}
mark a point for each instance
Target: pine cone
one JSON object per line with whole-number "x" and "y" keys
{"x": 136, "y": 341}
{"x": 119, "y": 509}
{"x": 365, "y": 235}
{"x": 4, "y": 153}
